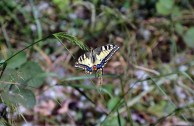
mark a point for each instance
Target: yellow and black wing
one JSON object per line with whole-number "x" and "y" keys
{"x": 97, "y": 58}
{"x": 104, "y": 53}
{"x": 85, "y": 62}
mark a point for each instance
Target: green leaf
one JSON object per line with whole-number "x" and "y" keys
{"x": 61, "y": 4}
{"x": 31, "y": 74}
{"x": 89, "y": 77}
{"x": 176, "y": 12}
{"x": 10, "y": 76}
{"x": 79, "y": 78}
{"x": 101, "y": 89}
{"x": 2, "y": 61}
{"x": 127, "y": 4}
{"x": 187, "y": 75}
{"x": 189, "y": 37}
{"x": 20, "y": 96}
{"x": 164, "y": 7}
{"x": 15, "y": 77}
{"x": 113, "y": 102}
{"x": 17, "y": 60}
{"x": 64, "y": 36}
{"x": 85, "y": 87}
{"x": 158, "y": 109}
{"x": 109, "y": 87}
{"x": 113, "y": 121}
{"x": 179, "y": 28}
{"x": 10, "y": 3}
{"x": 3, "y": 122}
{"x": 169, "y": 108}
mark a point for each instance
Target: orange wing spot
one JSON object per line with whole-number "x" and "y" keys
{"x": 94, "y": 67}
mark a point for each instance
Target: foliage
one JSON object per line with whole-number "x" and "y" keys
{"x": 148, "y": 80}
{"x": 189, "y": 38}
{"x": 165, "y": 7}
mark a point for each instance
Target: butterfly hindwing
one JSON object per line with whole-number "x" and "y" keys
{"x": 84, "y": 61}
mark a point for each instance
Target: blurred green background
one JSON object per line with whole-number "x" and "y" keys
{"x": 149, "y": 81}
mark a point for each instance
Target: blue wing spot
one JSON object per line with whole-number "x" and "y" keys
{"x": 99, "y": 66}
{"x": 89, "y": 69}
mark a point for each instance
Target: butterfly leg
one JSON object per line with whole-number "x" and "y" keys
{"x": 96, "y": 74}
{"x": 100, "y": 73}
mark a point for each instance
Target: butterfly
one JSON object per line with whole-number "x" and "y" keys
{"x": 96, "y": 59}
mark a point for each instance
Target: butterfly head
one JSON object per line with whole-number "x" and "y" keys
{"x": 94, "y": 67}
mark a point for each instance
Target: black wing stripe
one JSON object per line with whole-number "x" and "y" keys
{"x": 111, "y": 53}
{"x": 80, "y": 66}
{"x": 83, "y": 57}
{"x": 106, "y": 47}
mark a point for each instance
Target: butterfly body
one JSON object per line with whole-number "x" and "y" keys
{"x": 97, "y": 58}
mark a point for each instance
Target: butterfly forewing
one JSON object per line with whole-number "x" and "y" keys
{"x": 105, "y": 52}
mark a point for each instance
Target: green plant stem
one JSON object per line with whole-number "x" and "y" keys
{"x": 4, "y": 66}
{"x": 127, "y": 108}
